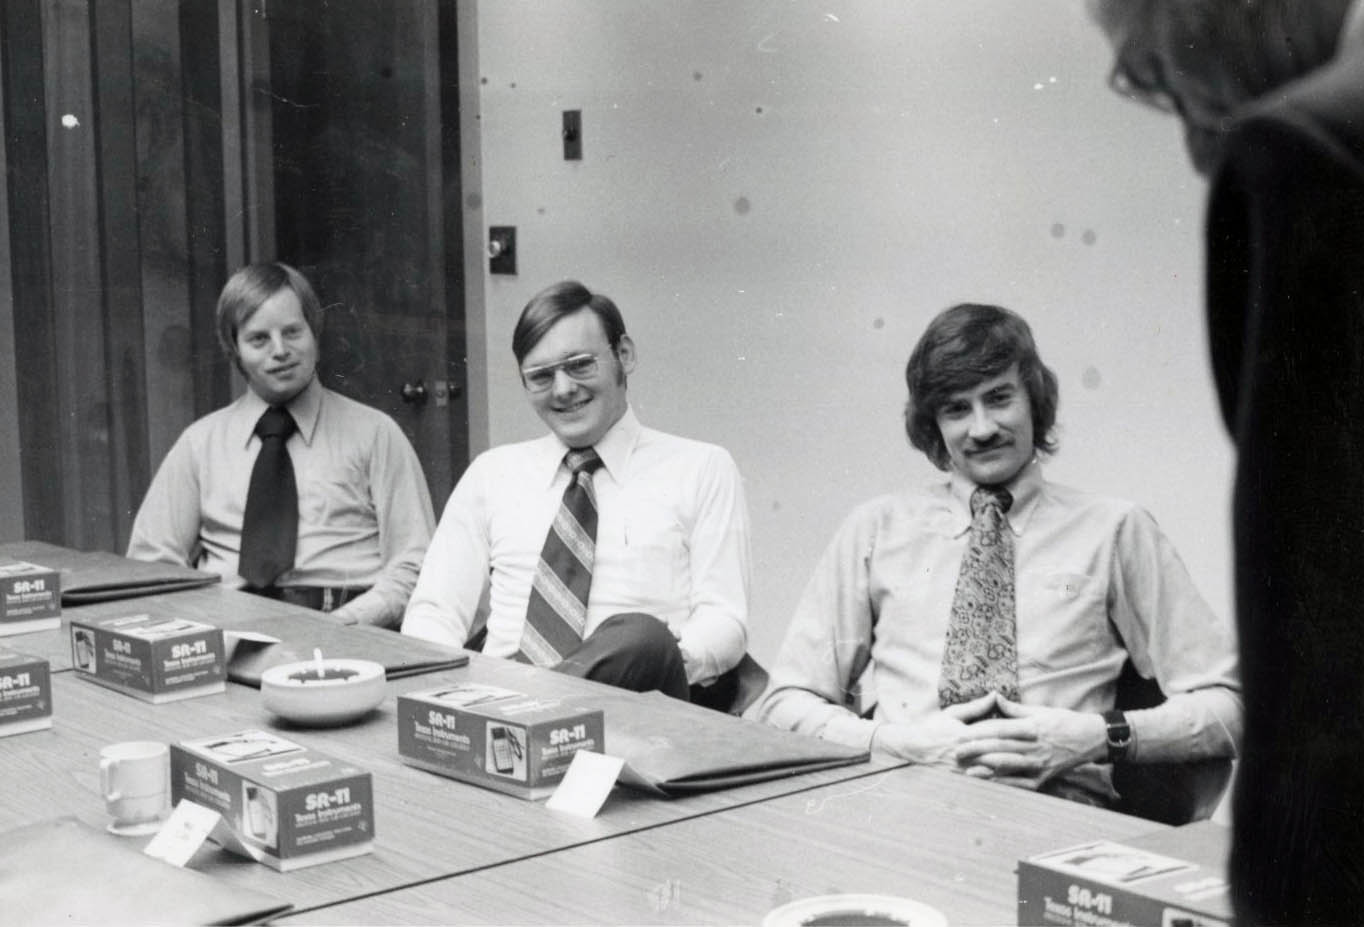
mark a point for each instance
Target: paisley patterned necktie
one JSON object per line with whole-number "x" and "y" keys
{"x": 981, "y": 652}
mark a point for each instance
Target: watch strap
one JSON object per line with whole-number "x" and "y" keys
{"x": 1119, "y": 735}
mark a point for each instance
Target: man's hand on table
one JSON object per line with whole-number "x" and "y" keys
{"x": 1030, "y": 744}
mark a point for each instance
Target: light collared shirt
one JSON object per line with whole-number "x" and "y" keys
{"x": 672, "y": 542}
{"x": 364, "y": 511}
{"x": 1095, "y": 581}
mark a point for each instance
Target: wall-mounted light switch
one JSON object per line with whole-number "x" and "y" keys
{"x": 573, "y": 135}
{"x": 502, "y": 249}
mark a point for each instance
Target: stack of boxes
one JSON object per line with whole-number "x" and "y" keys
{"x": 30, "y": 600}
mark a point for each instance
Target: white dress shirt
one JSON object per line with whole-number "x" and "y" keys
{"x": 672, "y": 542}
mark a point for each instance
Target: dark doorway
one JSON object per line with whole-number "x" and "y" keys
{"x": 364, "y": 142}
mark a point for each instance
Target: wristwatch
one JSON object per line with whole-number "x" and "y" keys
{"x": 1119, "y": 735}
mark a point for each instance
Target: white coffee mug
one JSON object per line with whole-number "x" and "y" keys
{"x": 134, "y": 778}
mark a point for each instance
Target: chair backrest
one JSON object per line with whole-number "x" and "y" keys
{"x": 1171, "y": 793}
{"x": 752, "y": 682}
{"x": 735, "y": 690}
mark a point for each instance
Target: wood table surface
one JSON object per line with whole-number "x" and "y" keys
{"x": 937, "y": 837}
{"x": 426, "y": 826}
{"x": 449, "y": 852}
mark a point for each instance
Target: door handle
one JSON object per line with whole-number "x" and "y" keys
{"x": 414, "y": 393}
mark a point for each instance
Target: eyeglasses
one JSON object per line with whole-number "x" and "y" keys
{"x": 1144, "y": 82}
{"x": 580, "y": 367}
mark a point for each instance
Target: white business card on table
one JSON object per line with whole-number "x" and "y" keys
{"x": 589, "y": 779}
{"x": 183, "y": 833}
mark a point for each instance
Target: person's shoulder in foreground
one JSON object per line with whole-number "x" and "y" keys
{"x": 980, "y": 622}
{"x": 1271, "y": 98}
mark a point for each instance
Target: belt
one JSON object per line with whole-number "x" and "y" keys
{"x": 318, "y": 598}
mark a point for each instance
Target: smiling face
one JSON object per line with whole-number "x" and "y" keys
{"x": 988, "y": 429}
{"x": 276, "y": 349}
{"x": 580, "y": 411}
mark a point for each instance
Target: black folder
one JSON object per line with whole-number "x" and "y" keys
{"x": 99, "y": 576}
{"x": 62, "y": 871}
{"x": 300, "y": 634}
{"x": 673, "y": 748}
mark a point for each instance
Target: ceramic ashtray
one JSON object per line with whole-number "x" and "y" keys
{"x": 323, "y": 692}
{"x": 864, "y": 910}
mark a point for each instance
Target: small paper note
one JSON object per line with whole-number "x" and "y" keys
{"x": 589, "y": 779}
{"x": 183, "y": 833}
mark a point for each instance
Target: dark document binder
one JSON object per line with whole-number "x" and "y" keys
{"x": 299, "y": 634}
{"x": 673, "y": 748}
{"x": 99, "y": 576}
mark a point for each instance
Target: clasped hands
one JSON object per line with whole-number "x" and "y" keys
{"x": 994, "y": 738}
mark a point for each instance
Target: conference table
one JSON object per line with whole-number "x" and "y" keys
{"x": 447, "y": 851}
{"x": 937, "y": 837}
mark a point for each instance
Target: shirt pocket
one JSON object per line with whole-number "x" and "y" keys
{"x": 655, "y": 563}
{"x": 1064, "y": 620}
{"x": 335, "y": 493}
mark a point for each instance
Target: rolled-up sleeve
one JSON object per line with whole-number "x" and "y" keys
{"x": 1173, "y": 636}
{"x": 715, "y": 635}
{"x": 827, "y": 645}
{"x": 167, "y": 526}
{"x": 452, "y": 577}
{"x": 402, "y": 507}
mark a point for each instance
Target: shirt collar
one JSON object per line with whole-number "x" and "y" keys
{"x": 614, "y": 448}
{"x": 305, "y": 408}
{"x": 1026, "y": 489}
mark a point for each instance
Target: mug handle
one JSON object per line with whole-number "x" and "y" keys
{"x": 106, "y": 765}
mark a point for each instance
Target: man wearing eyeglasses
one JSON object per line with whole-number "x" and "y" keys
{"x": 1285, "y": 292}
{"x": 608, "y": 550}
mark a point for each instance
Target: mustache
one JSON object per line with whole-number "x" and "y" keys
{"x": 993, "y": 444}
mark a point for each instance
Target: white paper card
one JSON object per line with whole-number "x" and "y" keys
{"x": 589, "y": 779}
{"x": 183, "y": 833}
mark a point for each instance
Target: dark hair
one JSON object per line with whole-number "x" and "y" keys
{"x": 248, "y": 288}
{"x": 553, "y": 303}
{"x": 1248, "y": 47}
{"x": 964, "y": 345}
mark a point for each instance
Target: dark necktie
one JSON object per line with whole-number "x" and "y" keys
{"x": 270, "y": 525}
{"x": 981, "y": 652}
{"x": 557, "y": 612}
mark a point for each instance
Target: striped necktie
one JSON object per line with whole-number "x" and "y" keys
{"x": 981, "y": 653}
{"x": 557, "y": 612}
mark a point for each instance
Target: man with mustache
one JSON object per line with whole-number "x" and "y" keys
{"x": 608, "y": 550}
{"x": 988, "y": 616}
{"x": 349, "y": 535}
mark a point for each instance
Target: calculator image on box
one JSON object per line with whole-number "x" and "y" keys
{"x": 506, "y": 751}
{"x": 260, "y": 817}
{"x": 83, "y": 642}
